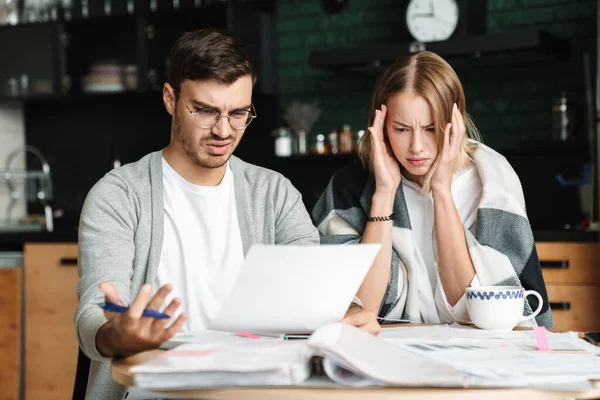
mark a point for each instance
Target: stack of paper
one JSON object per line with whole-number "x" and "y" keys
{"x": 509, "y": 359}
{"x": 438, "y": 356}
{"x": 256, "y": 362}
{"x": 352, "y": 358}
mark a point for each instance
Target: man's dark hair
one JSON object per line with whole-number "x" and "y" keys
{"x": 208, "y": 54}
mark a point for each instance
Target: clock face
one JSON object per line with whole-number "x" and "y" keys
{"x": 432, "y": 20}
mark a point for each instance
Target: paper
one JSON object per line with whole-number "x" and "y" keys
{"x": 504, "y": 359}
{"x": 456, "y": 331}
{"x": 510, "y": 363}
{"x": 294, "y": 289}
{"x": 377, "y": 361}
{"x": 508, "y": 359}
{"x": 459, "y": 335}
{"x": 207, "y": 337}
{"x": 439, "y": 356}
{"x": 187, "y": 353}
{"x": 255, "y": 362}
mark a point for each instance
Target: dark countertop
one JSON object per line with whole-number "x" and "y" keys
{"x": 15, "y": 241}
{"x": 565, "y": 236}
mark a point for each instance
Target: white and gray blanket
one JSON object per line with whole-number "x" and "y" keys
{"x": 501, "y": 242}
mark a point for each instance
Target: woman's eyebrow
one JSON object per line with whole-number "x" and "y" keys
{"x": 402, "y": 124}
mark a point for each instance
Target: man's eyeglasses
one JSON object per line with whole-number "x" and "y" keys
{"x": 208, "y": 117}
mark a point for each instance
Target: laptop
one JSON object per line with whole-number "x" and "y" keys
{"x": 294, "y": 289}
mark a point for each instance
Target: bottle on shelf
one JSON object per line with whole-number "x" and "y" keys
{"x": 301, "y": 142}
{"x": 334, "y": 146}
{"x": 320, "y": 146}
{"x": 346, "y": 140}
{"x": 283, "y": 142}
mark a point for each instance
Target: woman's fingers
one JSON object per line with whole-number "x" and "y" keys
{"x": 376, "y": 125}
{"x": 372, "y": 327}
{"x": 447, "y": 137}
{"x": 376, "y": 132}
{"x": 454, "y": 132}
{"x": 378, "y": 122}
{"x": 382, "y": 116}
{"x": 363, "y": 319}
{"x": 461, "y": 123}
{"x": 458, "y": 130}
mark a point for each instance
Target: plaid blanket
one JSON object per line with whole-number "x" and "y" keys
{"x": 500, "y": 243}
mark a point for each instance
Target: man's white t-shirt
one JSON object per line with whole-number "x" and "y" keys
{"x": 202, "y": 248}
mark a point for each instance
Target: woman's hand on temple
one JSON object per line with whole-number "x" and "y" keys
{"x": 385, "y": 165}
{"x": 454, "y": 137}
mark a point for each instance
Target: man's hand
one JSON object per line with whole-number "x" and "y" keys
{"x": 361, "y": 318}
{"x": 129, "y": 333}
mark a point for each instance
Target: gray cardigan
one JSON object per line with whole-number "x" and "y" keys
{"x": 121, "y": 233}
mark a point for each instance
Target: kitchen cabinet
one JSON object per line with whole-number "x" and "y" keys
{"x": 121, "y": 126}
{"x": 86, "y": 54}
{"x": 572, "y": 274}
{"x": 50, "y": 302}
{"x": 10, "y": 332}
{"x": 32, "y": 60}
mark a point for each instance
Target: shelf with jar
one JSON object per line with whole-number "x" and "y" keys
{"x": 340, "y": 144}
{"x": 75, "y": 58}
{"x": 29, "y": 12}
{"x": 108, "y": 50}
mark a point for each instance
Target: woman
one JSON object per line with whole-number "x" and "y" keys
{"x": 448, "y": 210}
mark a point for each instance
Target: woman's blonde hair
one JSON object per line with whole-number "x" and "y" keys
{"x": 428, "y": 75}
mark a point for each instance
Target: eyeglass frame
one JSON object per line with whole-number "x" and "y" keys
{"x": 252, "y": 112}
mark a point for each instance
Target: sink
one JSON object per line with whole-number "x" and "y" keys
{"x": 18, "y": 228}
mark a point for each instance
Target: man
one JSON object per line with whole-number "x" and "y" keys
{"x": 182, "y": 219}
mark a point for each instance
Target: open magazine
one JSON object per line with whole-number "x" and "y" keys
{"x": 351, "y": 357}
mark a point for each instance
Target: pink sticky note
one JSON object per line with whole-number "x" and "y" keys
{"x": 247, "y": 335}
{"x": 541, "y": 338}
{"x": 186, "y": 353}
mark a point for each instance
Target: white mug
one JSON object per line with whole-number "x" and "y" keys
{"x": 499, "y": 308}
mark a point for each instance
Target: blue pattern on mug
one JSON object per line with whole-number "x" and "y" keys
{"x": 502, "y": 294}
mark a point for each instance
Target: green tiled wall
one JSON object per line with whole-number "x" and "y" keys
{"x": 510, "y": 102}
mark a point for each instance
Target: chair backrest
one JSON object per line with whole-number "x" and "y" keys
{"x": 81, "y": 376}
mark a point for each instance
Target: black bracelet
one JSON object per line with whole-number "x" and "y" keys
{"x": 390, "y": 217}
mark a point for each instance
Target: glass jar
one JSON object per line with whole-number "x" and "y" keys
{"x": 334, "y": 145}
{"x": 320, "y": 146}
{"x": 283, "y": 142}
{"x": 346, "y": 140}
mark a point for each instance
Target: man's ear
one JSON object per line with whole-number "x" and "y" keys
{"x": 169, "y": 98}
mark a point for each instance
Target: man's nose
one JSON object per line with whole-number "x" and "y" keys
{"x": 222, "y": 127}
